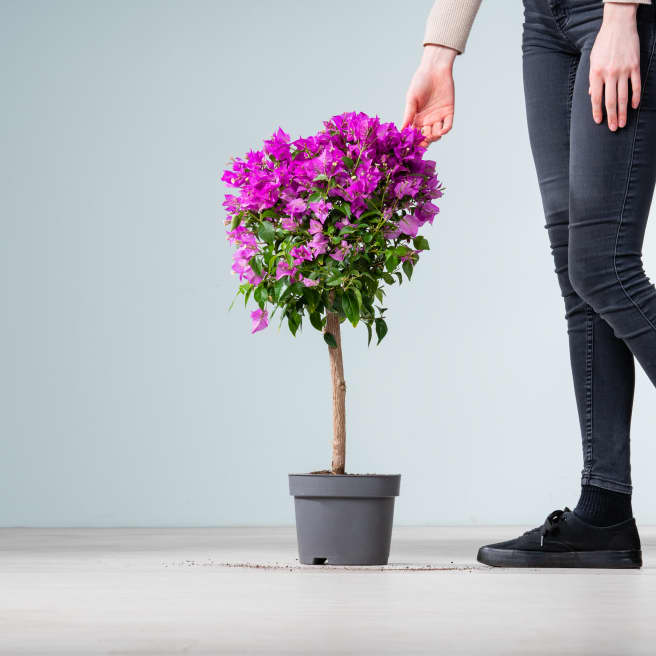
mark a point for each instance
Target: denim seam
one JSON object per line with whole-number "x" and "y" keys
{"x": 571, "y": 79}
{"x": 589, "y": 355}
{"x": 626, "y": 191}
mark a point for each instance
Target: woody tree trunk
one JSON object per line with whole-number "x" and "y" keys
{"x": 339, "y": 394}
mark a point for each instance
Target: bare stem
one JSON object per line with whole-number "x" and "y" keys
{"x": 339, "y": 394}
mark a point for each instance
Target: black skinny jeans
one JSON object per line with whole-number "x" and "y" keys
{"x": 596, "y": 188}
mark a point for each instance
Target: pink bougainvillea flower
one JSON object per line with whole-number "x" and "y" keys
{"x": 308, "y": 282}
{"x": 409, "y": 225}
{"x": 295, "y": 207}
{"x": 426, "y": 212}
{"x": 340, "y": 253}
{"x": 283, "y": 269}
{"x": 321, "y": 209}
{"x": 289, "y": 223}
{"x": 315, "y": 227}
{"x": 407, "y": 187}
{"x": 252, "y": 277}
{"x": 260, "y": 319}
{"x": 301, "y": 253}
{"x": 358, "y": 206}
{"x": 319, "y": 244}
{"x": 278, "y": 145}
{"x": 392, "y": 233}
{"x": 342, "y": 222}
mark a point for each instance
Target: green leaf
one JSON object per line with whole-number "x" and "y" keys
{"x": 333, "y": 282}
{"x": 388, "y": 278}
{"x": 322, "y": 177}
{"x": 266, "y": 232}
{"x": 368, "y": 307}
{"x": 391, "y": 262}
{"x": 268, "y": 214}
{"x": 247, "y": 294}
{"x": 348, "y": 161}
{"x": 399, "y": 276}
{"x": 255, "y": 265}
{"x": 358, "y": 297}
{"x": 407, "y": 267}
{"x": 236, "y": 220}
{"x": 315, "y": 320}
{"x": 367, "y": 237}
{"x": 381, "y": 329}
{"x": 279, "y": 287}
{"x": 286, "y": 293}
{"x": 239, "y": 291}
{"x": 379, "y": 294}
{"x": 368, "y": 213}
{"x": 330, "y": 340}
{"x": 350, "y": 306}
{"x": 344, "y": 208}
{"x": 369, "y": 334}
{"x": 293, "y": 321}
{"x": 261, "y": 295}
{"x": 421, "y": 243}
{"x": 311, "y": 297}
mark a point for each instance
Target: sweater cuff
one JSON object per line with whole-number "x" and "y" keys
{"x": 449, "y": 23}
{"x": 626, "y": 2}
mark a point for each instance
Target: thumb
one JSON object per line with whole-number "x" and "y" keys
{"x": 410, "y": 112}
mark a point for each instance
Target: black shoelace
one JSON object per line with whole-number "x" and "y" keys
{"x": 551, "y": 524}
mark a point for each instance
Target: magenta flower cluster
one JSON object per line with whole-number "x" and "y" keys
{"x": 323, "y": 191}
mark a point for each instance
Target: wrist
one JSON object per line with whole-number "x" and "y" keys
{"x": 438, "y": 56}
{"x": 620, "y": 12}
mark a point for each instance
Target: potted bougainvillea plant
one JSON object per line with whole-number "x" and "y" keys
{"x": 321, "y": 225}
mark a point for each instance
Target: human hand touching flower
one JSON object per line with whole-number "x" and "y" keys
{"x": 614, "y": 62}
{"x": 430, "y": 97}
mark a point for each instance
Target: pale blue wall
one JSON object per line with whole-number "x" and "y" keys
{"x": 129, "y": 396}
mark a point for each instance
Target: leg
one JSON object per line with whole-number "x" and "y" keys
{"x": 601, "y": 531}
{"x": 611, "y": 184}
{"x": 602, "y": 365}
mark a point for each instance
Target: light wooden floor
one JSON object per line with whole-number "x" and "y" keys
{"x": 178, "y": 591}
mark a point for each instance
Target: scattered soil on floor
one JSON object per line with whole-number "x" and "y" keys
{"x": 327, "y": 471}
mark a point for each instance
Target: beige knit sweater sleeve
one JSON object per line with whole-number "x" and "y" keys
{"x": 450, "y": 21}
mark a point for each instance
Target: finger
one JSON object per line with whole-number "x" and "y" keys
{"x": 427, "y": 132}
{"x": 610, "y": 100}
{"x": 436, "y": 130}
{"x": 636, "y": 88}
{"x": 448, "y": 123}
{"x": 410, "y": 112}
{"x": 622, "y": 100}
{"x": 596, "y": 87}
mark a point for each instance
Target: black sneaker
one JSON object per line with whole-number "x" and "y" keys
{"x": 565, "y": 540}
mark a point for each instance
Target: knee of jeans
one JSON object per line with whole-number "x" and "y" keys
{"x": 594, "y": 275}
{"x": 588, "y": 277}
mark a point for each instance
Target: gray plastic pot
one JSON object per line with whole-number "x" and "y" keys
{"x": 344, "y": 519}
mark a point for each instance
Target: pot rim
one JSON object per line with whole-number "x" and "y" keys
{"x": 347, "y": 475}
